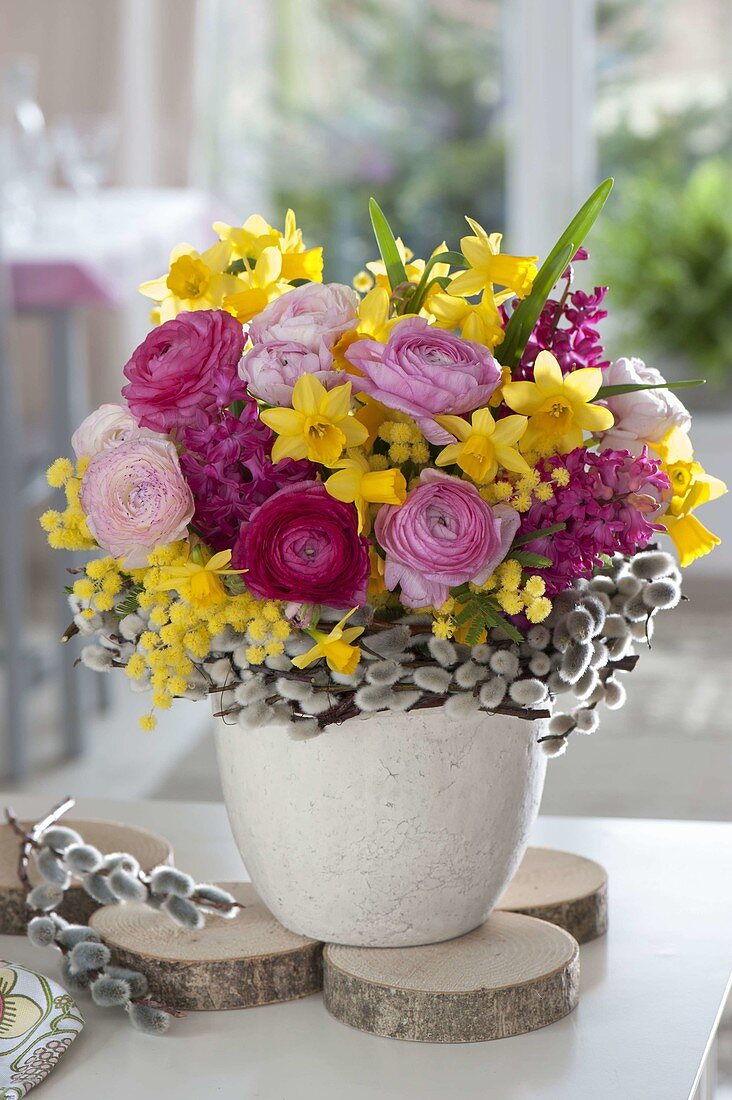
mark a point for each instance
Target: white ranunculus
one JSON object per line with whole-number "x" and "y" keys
{"x": 643, "y": 416}
{"x": 106, "y": 427}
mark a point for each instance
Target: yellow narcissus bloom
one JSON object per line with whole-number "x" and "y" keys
{"x": 483, "y": 445}
{"x": 249, "y": 241}
{"x": 335, "y": 647}
{"x": 356, "y": 483}
{"x": 489, "y": 266}
{"x": 558, "y": 406}
{"x": 195, "y": 281}
{"x": 299, "y": 262}
{"x": 414, "y": 268}
{"x": 479, "y": 321}
{"x": 318, "y": 426}
{"x": 257, "y": 286}
{"x": 198, "y": 583}
{"x": 690, "y": 487}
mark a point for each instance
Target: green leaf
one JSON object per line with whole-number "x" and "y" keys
{"x": 454, "y": 259}
{"x": 129, "y": 603}
{"x": 522, "y": 539}
{"x": 526, "y": 314}
{"x": 387, "y": 246}
{"x": 495, "y": 618}
{"x": 532, "y": 561}
{"x": 634, "y": 387}
{"x": 524, "y": 317}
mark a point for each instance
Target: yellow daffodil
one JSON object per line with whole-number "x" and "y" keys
{"x": 199, "y": 583}
{"x": 299, "y": 262}
{"x": 195, "y": 281}
{"x": 484, "y": 444}
{"x": 690, "y": 487}
{"x": 479, "y": 321}
{"x": 489, "y": 266}
{"x": 558, "y": 406}
{"x": 413, "y": 268}
{"x": 372, "y": 415}
{"x": 257, "y": 286}
{"x": 318, "y": 426}
{"x": 249, "y": 241}
{"x": 335, "y": 647}
{"x": 355, "y": 483}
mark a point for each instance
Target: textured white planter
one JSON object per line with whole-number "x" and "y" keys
{"x": 388, "y": 830}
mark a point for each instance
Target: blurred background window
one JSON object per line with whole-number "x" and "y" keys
{"x": 663, "y": 125}
{"x": 338, "y": 101}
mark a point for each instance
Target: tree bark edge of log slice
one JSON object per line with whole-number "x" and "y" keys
{"x": 245, "y": 962}
{"x": 523, "y": 994}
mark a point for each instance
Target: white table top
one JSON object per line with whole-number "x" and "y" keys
{"x": 651, "y": 992}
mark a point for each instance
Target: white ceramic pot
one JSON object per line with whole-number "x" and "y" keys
{"x": 387, "y": 831}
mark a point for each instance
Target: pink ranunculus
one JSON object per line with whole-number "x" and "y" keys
{"x": 425, "y": 371}
{"x": 643, "y": 416}
{"x": 314, "y": 314}
{"x": 442, "y": 536}
{"x": 303, "y": 545}
{"x": 185, "y": 366}
{"x": 271, "y": 369}
{"x": 135, "y": 498}
{"x": 106, "y": 427}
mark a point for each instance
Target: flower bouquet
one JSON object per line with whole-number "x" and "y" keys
{"x": 400, "y": 521}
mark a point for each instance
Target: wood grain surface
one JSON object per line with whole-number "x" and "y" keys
{"x": 512, "y": 975}
{"x": 240, "y": 963}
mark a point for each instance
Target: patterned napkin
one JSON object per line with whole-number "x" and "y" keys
{"x": 38, "y": 1022}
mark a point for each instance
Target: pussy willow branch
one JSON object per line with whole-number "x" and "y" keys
{"x": 30, "y": 840}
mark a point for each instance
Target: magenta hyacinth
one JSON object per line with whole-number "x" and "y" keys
{"x": 227, "y": 465}
{"x": 608, "y": 506}
{"x": 567, "y": 328}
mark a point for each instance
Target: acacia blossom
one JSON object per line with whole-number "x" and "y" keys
{"x": 608, "y": 506}
{"x": 228, "y": 467}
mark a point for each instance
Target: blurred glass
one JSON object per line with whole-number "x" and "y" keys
{"x": 664, "y": 130}
{"x": 25, "y": 154}
{"x": 85, "y": 145}
{"x": 343, "y": 99}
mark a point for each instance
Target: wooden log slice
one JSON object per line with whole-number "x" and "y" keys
{"x": 108, "y": 836}
{"x": 563, "y": 888}
{"x": 240, "y": 963}
{"x": 513, "y": 974}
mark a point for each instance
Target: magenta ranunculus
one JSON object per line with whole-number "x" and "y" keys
{"x": 303, "y": 545}
{"x": 313, "y": 315}
{"x": 185, "y": 366}
{"x": 135, "y": 498}
{"x": 272, "y": 369}
{"x": 442, "y": 536}
{"x": 425, "y": 371}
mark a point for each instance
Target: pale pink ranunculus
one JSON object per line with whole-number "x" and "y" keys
{"x": 135, "y": 498}
{"x": 643, "y": 416}
{"x": 425, "y": 371}
{"x": 106, "y": 427}
{"x": 442, "y": 536}
{"x": 313, "y": 315}
{"x": 271, "y": 369}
